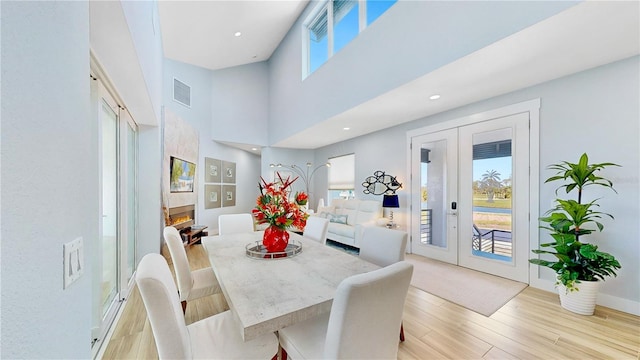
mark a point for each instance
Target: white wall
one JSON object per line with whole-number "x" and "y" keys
{"x": 49, "y": 151}
{"x": 49, "y": 178}
{"x": 150, "y": 216}
{"x": 271, "y": 155}
{"x": 200, "y": 115}
{"x": 411, "y": 39}
{"x": 127, "y": 44}
{"x": 595, "y": 111}
{"x": 144, "y": 26}
{"x": 240, "y": 103}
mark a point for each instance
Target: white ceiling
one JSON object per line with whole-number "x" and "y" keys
{"x": 587, "y": 35}
{"x": 202, "y": 33}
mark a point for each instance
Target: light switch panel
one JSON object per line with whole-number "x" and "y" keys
{"x": 73, "y": 261}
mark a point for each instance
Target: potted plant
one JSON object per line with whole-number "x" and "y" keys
{"x": 578, "y": 264}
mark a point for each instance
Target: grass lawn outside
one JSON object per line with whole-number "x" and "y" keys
{"x": 497, "y": 203}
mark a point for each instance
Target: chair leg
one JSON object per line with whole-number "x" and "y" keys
{"x": 282, "y": 353}
{"x": 401, "y": 332}
{"x": 184, "y": 307}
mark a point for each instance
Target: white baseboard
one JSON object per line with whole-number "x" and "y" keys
{"x": 614, "y": 302}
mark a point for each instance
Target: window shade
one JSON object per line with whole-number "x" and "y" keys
{"x": 318, "y": 26}
{"x": 492, "y": 150}
{"x": 342, "y": 172}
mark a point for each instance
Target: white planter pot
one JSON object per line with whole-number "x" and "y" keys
{"x": 581, "y": 302}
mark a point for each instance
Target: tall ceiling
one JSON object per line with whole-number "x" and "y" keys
{"x": 203, "y": 33}
{"x": 587, "y": 35}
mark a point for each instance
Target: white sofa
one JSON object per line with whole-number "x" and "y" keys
{"x": 358, "y": 213}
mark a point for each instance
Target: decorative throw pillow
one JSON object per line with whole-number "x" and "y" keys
{"x": 340, "y": 219}
{"x": 325, "y": 215}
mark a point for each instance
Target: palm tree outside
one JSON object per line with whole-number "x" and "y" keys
{"x": 490, "y": 184}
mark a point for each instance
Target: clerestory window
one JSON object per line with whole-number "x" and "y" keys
{"x": 334, "y": 24}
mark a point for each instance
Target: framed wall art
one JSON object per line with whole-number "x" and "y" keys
{"x": 212, "y": 196}
{"x": 228, "y": 195}
{"x": 212, "y": 170}
{"x": 228, "y": 172}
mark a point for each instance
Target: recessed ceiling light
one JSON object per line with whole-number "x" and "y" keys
{"x": 238, "y": 33}
{"x": 434, "y": 97}
{"x": 346, "y": 128}
{"x": 254, "y": 149}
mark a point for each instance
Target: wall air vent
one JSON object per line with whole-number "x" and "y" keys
{"x": 181, "y": 92}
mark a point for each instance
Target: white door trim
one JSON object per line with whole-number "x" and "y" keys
{"x": 533, "y": 108}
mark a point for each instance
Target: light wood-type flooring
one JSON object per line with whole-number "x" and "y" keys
{"x": 530, "y": 326}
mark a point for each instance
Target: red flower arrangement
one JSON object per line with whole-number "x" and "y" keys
{"x": 274, "y": 208}
{"x": 302, "y": 198}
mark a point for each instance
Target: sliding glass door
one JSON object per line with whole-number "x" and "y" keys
{"x": 114, "y": 255}
{"x": 129, "y": 228}
{"x": 106, "y": 287}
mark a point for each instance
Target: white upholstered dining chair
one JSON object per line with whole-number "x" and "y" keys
{"x": 363, "y": 323}
{"x": 215, "y": 337}
{"x": 235, "y": 223}
{"x": 191, "y": 284}
{"x": 316, "y": 229}
{"x": 383, "y": 247}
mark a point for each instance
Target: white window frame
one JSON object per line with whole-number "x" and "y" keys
{"x": 306, "y": 41}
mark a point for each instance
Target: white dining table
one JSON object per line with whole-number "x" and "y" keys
{"x": 266, "y": 295}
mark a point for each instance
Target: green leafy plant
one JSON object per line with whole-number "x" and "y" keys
{"x": 571, "y": 219}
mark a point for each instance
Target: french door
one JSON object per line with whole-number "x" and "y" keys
{"x": 470, "y": 195}
{"x": 435, "y": 163}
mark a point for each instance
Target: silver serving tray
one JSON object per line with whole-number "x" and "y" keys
{"x": 256, "y": 250}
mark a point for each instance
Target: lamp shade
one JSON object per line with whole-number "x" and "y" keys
{"x": 390, "y": 201}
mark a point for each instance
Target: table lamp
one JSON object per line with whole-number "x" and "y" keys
{"x": 390, "y": 201}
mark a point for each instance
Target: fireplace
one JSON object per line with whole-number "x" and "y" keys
{"x": 182, "y": 217}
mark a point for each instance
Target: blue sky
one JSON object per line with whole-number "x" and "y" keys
{"x": 501, "y": 165}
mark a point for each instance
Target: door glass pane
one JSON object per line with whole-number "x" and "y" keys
{"x": 433, "y": 180}
{"x": 109, "y": 207}
{"x": 492, "y": 200}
